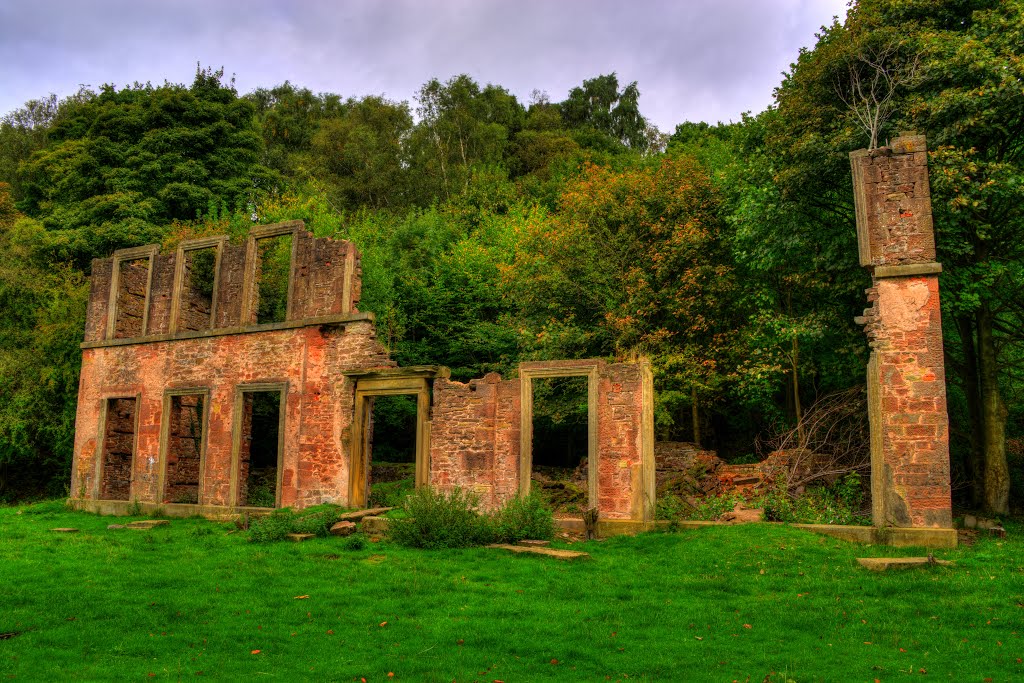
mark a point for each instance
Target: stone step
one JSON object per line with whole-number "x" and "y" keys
{"x": 65, "y": 530}
{"x": 548, "y": 552}
{"x": 145, "y": 524}
{"x": 358, "y": 515}
{"x": 881, "y": 564}
{"x": 531, "y": 543}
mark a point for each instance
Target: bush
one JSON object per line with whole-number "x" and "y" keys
{"x": 440, "y": 520}
{"x": 390, "y": 494}
{"x": 840, "y": 503}
{"x": 522, "y": 518}
{"x": 279, "y": 523}
{"x": 675, "y": 508}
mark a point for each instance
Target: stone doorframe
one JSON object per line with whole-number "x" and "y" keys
{"x": 544, "y": 370}
{"x": 416, "y": 380}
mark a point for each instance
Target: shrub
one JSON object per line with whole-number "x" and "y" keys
{"x": 522, "y": 518}
{"x": 390, "y": 494}
{"x": 354, "y": 542}
{"x": 675, "y": 508}
{"x": 279, "y": 523}
{"x": 840, "y": 503}
{"x": 436, "y": 519}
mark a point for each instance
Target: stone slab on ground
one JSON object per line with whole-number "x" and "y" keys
{"x": 547, "y": 552}
{"x": 881, "y": 564}
{"x": 533, "y": 543}
{"x": 374, "y": 526}
{"x": 65, "y": 530}
{"x": 146, "y": 524}
{"x": 299, "y": 538}
{"x": 343, "y": 528}
{"x": 359, "y": 515}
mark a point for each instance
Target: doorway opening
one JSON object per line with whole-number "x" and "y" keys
{"x": 382, "y": 433}
{"x": 260, "y": 448}
{"x": 391, "y": 442}
{"x": 185, "y": 443}
{"x": 118, "y": 449}
{"x": 560, "y": 465}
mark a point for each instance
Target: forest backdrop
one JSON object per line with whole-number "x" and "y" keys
{"x": 494, "y": 230}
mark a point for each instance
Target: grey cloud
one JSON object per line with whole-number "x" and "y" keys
{"x": 693, "y": 59}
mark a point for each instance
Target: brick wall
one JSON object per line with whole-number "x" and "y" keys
{"x": 318, "y": 406}
{"x": 474, "y": 437}
{"x": 476, "y": 427}
{"x": 906, "y": 374}
{"x": 620, "y": 405}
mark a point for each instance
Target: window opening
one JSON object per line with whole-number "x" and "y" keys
{"x": 391, "y": 440}
{"x": 200, "y": 272}
{"x": 118, "y": 449}
{"x": 560, "y": 441}
{"x": 130, "y": 305}
{"x": 273, "y": 269}
{"x": 184, "y": 449}
{"x": 259, "y": 452}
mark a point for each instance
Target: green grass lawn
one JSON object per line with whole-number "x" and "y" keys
{"x": 756, "y": 602}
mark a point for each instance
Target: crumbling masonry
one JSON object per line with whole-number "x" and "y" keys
{"x": 910, "y": 485}
{"x": 172, "y": 362}
{"x": 184, "y": 357}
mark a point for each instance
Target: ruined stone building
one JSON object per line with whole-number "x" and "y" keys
{"x": 223, "y": 377}
{"x": 228, "y": 377}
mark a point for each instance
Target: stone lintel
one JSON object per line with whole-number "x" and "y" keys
{"x": 907, "y": 270}
{"x": 325, "y": 320}
{"x": 410, "y": 371}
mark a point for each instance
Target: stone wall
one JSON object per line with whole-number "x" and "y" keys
{"x": 474, "y": 437}
{"x": 310, "y": 360}
{"x": 325, "y": 277}
{"x": 906, "y": 374}
{"x": 476, "y": 431}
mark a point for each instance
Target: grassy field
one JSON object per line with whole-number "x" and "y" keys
{"x": 750, "y": 603}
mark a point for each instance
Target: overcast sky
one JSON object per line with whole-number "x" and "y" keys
{"x": 694, "y": 60}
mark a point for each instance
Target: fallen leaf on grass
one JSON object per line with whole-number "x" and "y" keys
{"x": 698, "y": 638}
{"x": 554, "y": 661}
{"x": 747, "y": 626}
{"x": 301, "y": 597}
{"x": 255, "y": 652}
{"x": 383, "y": 624}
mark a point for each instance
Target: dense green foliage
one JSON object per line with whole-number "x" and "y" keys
{"x": 494, "y": 231}
{"x": 764, "y": 602}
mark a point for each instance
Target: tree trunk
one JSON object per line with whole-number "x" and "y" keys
{"x": 696, "y": 417}
{"x": 797, "y": 408}
{"x": 997, "y": 473}
{"x": 969, "y": 375}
